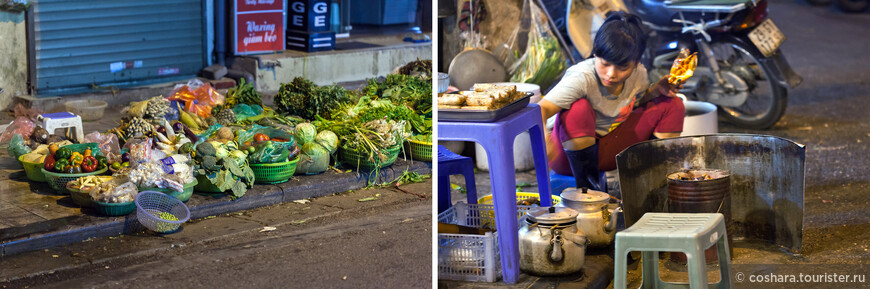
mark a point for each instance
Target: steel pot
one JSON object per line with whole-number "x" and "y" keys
{"x": 550, "y": 243}
{"x": 594, "y": 219}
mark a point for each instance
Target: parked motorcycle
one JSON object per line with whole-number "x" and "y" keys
{"x": 740, "y": 66}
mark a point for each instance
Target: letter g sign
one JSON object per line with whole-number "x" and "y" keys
{"x": 298, "y": 7}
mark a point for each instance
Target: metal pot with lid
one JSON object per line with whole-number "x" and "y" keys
{"x": 550, "y": 243}
{"x": 594, "y": 219}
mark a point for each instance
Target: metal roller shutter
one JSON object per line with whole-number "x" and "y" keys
{"x": 80, "y": 45}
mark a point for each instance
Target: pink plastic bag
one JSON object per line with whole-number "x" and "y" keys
{"x": 23, "y": 123}
{"x": 20, "y": 125}
{"x": 108, "y": 142}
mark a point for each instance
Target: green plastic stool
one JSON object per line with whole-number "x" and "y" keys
{"x": 674, "y": 232}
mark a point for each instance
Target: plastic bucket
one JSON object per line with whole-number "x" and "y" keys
{"x": 700, "y": 118}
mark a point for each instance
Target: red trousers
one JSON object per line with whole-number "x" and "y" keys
{"x": 662, "y": 115}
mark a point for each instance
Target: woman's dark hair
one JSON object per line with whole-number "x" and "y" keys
{"x": 620, "y": 40}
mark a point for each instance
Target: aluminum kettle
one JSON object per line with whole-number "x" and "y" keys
{"x": 550, "y": 244}
{"x": 594, "y": 219}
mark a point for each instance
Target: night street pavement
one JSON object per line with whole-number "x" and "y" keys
{"x": 330, "y": 242}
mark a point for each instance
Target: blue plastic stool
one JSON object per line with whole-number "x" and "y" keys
{"x": 559, "y": 183}
{"x": 497, "y": 139}
{"x": 451, "y": 164}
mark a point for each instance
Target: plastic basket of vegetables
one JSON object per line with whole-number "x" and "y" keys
{"x": 273, "y": 173}
{"x": 419, "y": 148}
{"x": 58, "y": 181}
{"x": 181, "y": 196}
{"x": 272, "y": 161}
{"x": 32, "y": 169}
{"x": 369, "y": 160}
{"x": 80, "y": 189}
{"x": 71, "y": 162}
{"x": 115, "y": 198}
{"x": 160, "y": 212}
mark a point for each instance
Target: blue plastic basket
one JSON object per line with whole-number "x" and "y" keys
{"x": 150, "y": 205}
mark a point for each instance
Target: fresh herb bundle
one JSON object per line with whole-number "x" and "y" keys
{"x": 303, "y": 98}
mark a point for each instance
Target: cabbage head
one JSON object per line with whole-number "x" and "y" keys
{"x": 305, "y": 133}
{"x": 313, "y": 160}
{"x": 328, "y": 140}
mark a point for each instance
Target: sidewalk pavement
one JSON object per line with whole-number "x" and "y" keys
{"x": 34, "y": 217}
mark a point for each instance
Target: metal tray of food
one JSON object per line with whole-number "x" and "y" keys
{"x": 473, "y": 115}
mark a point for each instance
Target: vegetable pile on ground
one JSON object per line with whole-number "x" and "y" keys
{"x": 225, "y": 167}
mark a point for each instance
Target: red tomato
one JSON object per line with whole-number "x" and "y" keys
{"x": 260, "y": 137}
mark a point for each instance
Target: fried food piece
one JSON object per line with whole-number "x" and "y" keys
{"x": 451, "y": 99}
{"x": 444, "y": 106}
{"x": 480, "y": 100}
{"x": 476, "y": 107}
{"x": 683, "y": 67}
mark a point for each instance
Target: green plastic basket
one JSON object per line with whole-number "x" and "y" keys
{"x": 421, "y": 151}
{"x": 81, "y": 198}
{"x": 115, "y": 209}
{"x": 357, "y": 159}
{"x": 58, "y": 181}
{"x": 33, "y": 170}
{"x": 81, "y": 147}
{"x": 181, "y": 196}
{"x": 274, "y": 173}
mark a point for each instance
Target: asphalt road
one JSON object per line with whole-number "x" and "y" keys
{"x": 330, "y": 242}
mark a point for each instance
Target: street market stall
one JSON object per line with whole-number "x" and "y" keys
{"x": 198, "y": 139}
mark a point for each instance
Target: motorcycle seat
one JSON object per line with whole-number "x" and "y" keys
{"x": 661, "y": 13}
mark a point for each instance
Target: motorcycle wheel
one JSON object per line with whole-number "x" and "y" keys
{"x": 853, "y": 6}
{"x": 767, "y": 100}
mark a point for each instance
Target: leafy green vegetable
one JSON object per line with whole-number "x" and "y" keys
{"x": 303, "y": 98}
{"x": 411, "y": 177}
{"x": 542, "y": 64}
{"x": 412, "y": 91}
{"x": 243, "y": 93}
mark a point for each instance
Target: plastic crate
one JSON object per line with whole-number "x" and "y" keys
{"x": 274, "y": 173}
{"x": 58, "y": 181}
{"x": 357, "y": 159}
{"x": 33, "y": 170}
{"x": 421, "y": 151}
{"x": 522, "y": 210}
{"x": 468, "y": 257}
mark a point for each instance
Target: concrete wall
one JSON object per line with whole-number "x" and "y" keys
{"x": 329, "y": 68}
{"x": 13, "y": 56}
